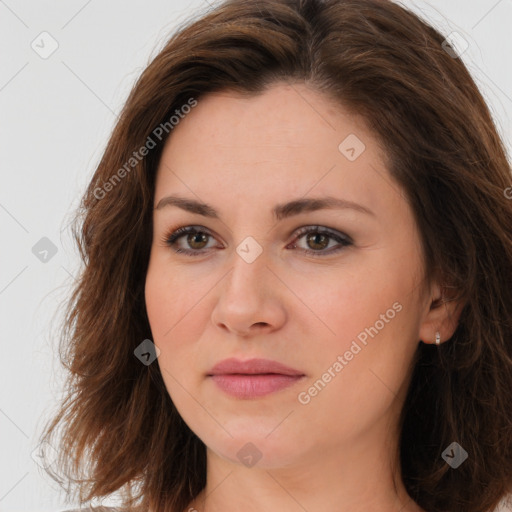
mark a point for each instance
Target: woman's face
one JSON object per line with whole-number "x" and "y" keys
{"x": 333, "y": 291}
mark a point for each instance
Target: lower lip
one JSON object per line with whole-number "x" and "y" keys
{"x": 253, "y": 386}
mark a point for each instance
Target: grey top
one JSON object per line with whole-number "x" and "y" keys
{"x": 101, "y": 509}
{"x": 98, "y": 509}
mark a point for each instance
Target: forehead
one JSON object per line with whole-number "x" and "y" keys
{"x": 283, "y": 116}
{"x": 285, "y": 141}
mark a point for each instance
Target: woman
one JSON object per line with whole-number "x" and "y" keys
{"x": 297, "y": 288}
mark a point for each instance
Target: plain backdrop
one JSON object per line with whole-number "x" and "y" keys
{"x": 57, "y": 112}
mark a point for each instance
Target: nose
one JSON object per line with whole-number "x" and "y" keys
{"x": 249, "y": 299}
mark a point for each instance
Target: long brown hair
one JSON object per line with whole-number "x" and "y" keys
{"x": 119, "y": 429}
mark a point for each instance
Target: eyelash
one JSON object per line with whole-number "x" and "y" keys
{"x": 345, "y": 241}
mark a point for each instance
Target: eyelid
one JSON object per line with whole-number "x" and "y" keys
{"x": 171, "y": 236}
{"x": 343, "y": 240}
{"x": 323, "y": 230}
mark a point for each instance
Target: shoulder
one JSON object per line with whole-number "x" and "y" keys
{"x": 102, "y": 509}
{"x": 106, "y": 509}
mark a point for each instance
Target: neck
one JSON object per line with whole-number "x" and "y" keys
{"x": 355, "y": 477}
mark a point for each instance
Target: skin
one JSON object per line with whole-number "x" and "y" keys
{"x": 243, "y": 156}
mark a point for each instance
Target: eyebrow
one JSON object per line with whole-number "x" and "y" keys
{"x": 280, "y": 211}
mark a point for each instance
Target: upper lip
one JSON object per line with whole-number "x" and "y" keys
{"x": 252, "y": 367}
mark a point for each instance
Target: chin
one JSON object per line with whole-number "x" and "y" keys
{"x": 254, "y": 447}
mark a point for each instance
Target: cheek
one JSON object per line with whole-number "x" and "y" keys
{"x": 158, "y": 304}
{"x": 176, "y": 315}
{"x": 348, "y": 393}
{"x": 368, "y": 318}
{"x": 172, "y": 299}
{"x": 177, "y": 309}
{"x": 343, "y": 303}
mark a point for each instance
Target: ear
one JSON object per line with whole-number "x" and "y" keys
{"x": 442, "y": 314}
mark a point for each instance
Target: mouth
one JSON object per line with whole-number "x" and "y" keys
{"x": 253, "y": 378}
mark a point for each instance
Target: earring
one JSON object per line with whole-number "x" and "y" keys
{"x": 438, "y": 338}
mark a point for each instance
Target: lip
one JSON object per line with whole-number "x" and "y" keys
{"x": 252, "y": 367}
{"x": 253, "y": 378}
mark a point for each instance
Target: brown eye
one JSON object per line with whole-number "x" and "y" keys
{"x": 320, "y": 241}
{"x": 317, "y": 241}
{"x": 190, "y": 240}
{"x": 197, "y": 240}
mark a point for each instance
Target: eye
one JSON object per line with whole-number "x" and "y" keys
{"x": 319, "y": 241}
{"x": 195, "y": 237}
{"x": 318, "y": 238}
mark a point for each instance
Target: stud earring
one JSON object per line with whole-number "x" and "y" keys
{"x": 438, "y": 338}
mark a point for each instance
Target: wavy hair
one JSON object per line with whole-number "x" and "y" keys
{"x": 117, "y": 427}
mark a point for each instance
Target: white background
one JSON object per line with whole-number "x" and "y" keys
{"x": 56, "y": 116}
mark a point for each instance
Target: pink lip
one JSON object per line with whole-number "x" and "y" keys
{"x": 253, "y": 378}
